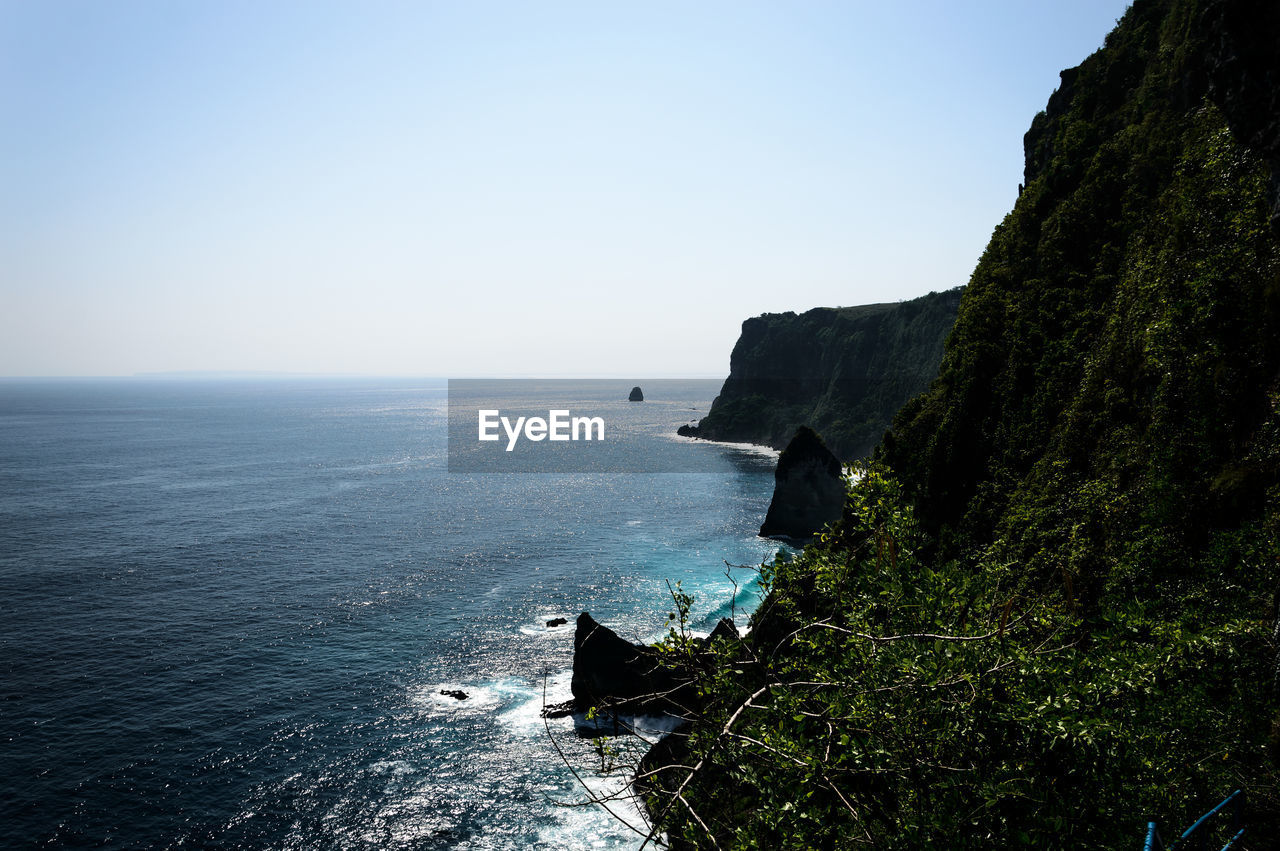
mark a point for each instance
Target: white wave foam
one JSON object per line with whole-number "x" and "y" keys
{"x": 749, "y": 448}
{"x": 539, "y": 628}
{"x": 516, "y": 702}
{"x": 393, "y": 767}
{"x": 524, "y": 717}
{"x": 647, "y": 727}
{"x": 582, "y": 828}
{"x": 485, "y": 696}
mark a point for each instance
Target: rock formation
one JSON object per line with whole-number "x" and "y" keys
{"x": 626, "y": 678}
{"x": 808, "y": 490}
{"x": 843, "y": 371}
{"x": 636, "y": 395}
{"x": 620, "y": 678}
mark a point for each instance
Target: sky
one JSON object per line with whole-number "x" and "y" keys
{"x": 492, "y": 188}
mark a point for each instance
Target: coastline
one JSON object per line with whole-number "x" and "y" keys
{"x": 763, "y": 450}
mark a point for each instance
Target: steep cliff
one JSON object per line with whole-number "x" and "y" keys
{"x": 842, "y": 371}
{"x": 1048, "y": 614}
{"x": 1121, "y": 327}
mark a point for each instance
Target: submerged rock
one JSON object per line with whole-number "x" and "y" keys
{"x": 560, "y": 710}
{"x": 636, "y": 395}
{"x": 557, "y": 622}
{"x": 456, "y": 693}
{"x": 808, "y": 489}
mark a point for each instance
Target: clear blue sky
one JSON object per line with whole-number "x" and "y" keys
{"x": 488, "y": 188}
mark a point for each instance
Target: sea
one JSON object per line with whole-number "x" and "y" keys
{"x": 229, "y": 609}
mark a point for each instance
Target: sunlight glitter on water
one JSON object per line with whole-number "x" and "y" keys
{"x": 258, "y": 651}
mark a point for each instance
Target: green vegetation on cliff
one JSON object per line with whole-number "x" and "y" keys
{"x": 1047, "y": 614}
{"x": 842, "y": 371}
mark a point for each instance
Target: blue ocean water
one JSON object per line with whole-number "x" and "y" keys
{"x": 227, "y": 611}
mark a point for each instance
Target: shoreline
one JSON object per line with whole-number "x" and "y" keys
{"x": 764, "y": 450}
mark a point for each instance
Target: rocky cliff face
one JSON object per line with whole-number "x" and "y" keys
{"x": 842, "y": 371}
{"x": 1122, "y": 324}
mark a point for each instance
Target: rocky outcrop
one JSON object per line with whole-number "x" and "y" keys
{"x": 725, "y": 629}
{"x": 619, "y": 678}
{"x": 624, "y": 678}
{"x": 808, "y": 489}
{"x": 844, "y": 371}
{"x": 637, "y": 395}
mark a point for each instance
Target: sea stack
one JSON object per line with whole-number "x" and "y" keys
{"x": 808, "y": 489}
{"x": 636, "y": 395}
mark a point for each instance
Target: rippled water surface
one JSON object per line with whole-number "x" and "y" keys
{"x": 227, "y": 611}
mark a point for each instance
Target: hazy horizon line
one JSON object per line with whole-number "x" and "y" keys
{"x": 268, "y": 375}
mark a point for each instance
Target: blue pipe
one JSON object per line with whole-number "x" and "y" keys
{"x": 1232, "y": 840}
{"x": 1204, "y": 817}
